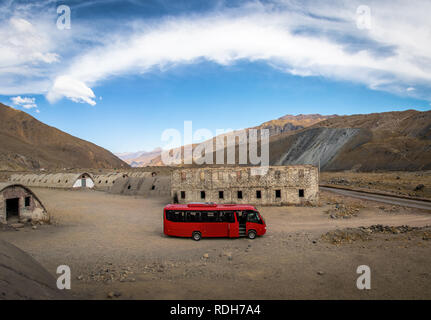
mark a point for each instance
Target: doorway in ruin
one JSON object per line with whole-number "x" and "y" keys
{"x": 12, "y": 209}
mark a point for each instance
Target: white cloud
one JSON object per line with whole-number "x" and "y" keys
{"x": 75, "y": 90}
{"x": 25, "y": 45}
{"x": 24, "y": 102}
{"x": 410, "y": 89}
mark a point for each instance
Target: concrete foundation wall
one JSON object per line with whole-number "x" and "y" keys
{"x": 279, "y": 185}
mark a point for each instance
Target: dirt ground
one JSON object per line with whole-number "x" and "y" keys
{"x": 116, "y": 249}
{"x": 412, "y": 184}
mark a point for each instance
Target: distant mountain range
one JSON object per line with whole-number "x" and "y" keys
{"x": 284, "y": 124}
{"x": 26, "y": 143}
{"x": 140, "y": 158}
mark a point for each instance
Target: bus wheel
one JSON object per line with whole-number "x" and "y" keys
{"x": 196, "y": 236}
{"x": 252, "y": 234}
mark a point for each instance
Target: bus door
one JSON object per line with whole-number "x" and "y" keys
{"x": 241, "y": 217}
{"x": 233, "y": 226}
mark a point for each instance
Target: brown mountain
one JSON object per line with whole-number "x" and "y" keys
{"x": 289, "y": 123}
{"x": 364, "y": 142}
{"x": 26, "y": 143}
{"x": 284, "y": 124}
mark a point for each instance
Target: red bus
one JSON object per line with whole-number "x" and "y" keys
{"x": 199, "y": 220}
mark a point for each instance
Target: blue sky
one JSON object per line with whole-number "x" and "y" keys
{"x": 127, "y": 70}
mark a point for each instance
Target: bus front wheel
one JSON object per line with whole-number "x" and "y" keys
{"x": 197, "y": 236}
{"x": 252, "y": 234}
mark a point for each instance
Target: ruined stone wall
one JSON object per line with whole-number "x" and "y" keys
{"x": 34, "y": 211}
{"x": 280, "y": 185}
{"x": 148, "y": 186}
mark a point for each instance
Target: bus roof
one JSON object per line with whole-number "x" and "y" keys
{"x": 209, "y": 206}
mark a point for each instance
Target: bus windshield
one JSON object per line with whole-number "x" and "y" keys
{"x": 253, "y": 216}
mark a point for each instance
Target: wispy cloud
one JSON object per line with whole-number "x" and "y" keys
{"x": 302, "y": 38}
{"x": 24, "y": 102}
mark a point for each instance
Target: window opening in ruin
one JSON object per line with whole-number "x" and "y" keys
{"x": 239, "y": 195}
{"x": 258, "y": 194}
{"x": 278, "y": 193}
{"x": 301, "y": 173}
{"x": 183, "y": 194}
{"x": 221, "y": 195}
{"x": 301, "y": 193}
{"x": 27, "y": 201}
{"x": 202, "y": 194}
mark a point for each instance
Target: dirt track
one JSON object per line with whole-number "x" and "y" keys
{"x": 382, "y": 198}
{"x": 114, "y": 244}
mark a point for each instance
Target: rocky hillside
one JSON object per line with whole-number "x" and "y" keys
{"x": 26, "y": 143}
{"x": 366, "y": 142}
{"x": 289, "y": 123}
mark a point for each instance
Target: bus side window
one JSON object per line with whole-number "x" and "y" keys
{"x": 219, "y": 216}
{"x": 188, "y": 215}
{"x": 204, "y": 216}
{"x": 192, "y": 216}
{"x": 222, "y": 216}
{"x": 173, "y": 216}
{"x": 211, "y": 216}
{"x": 181, "y": 216}
{"x": 229, "y": 217}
